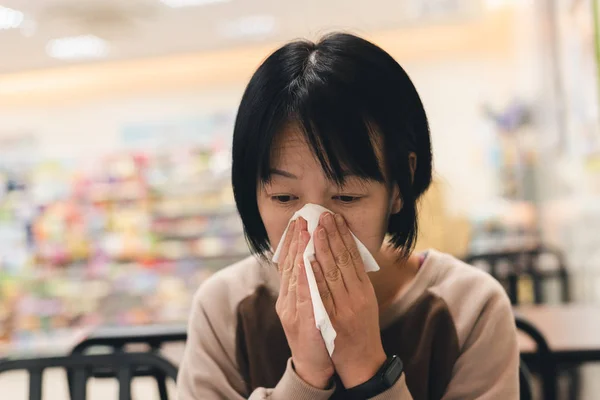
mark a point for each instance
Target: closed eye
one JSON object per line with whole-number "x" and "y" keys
{"x": 346, "y": 199}
{"x": 283, "y": 198}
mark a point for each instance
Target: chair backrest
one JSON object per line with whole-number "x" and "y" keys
{"x": 123, "y": 363}
{"x": 509, "y": 267}
{"x": 542, "y": 358}
{"x": 525, "y": 382}
{"x": 118, "y": 338}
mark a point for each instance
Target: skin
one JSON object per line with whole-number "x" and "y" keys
{"x": 352, "y": 298}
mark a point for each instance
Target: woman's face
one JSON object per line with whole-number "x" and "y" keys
{"x": 297, "y": 179}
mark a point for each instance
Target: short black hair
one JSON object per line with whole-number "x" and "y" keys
{"x": 346, "y": 95}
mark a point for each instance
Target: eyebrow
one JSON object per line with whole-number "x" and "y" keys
{"x": 275, "y": 171}
{"x": 285, "y": 174}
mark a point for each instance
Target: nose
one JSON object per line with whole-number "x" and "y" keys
{"x": 318, "y": 192}
{"x": 318, "y": 201}
{"x": 329, "y": 204}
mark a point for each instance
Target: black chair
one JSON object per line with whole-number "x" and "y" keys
{"x": 525, "y": 382}
{"x": 124, "y": 364}
{"x": 522, "y": 263}
{"x": 541, "y": 360}
{"x": 534, "y": 264}
{"x": 117, "y": 339}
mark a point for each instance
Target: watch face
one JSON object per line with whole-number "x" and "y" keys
{"x": 393, "y": 372}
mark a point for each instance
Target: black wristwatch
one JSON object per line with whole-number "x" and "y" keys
{"x": 385, "y": 378}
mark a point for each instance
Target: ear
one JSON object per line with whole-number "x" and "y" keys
{"x": 412, "y": 162}
{"x": 396, "y": 204}
{"x": 396, "y": 198}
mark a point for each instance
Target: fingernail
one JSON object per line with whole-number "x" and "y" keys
{"x": 328, "y": 218}
{"x": 321, "y": 233}
{"x": 339, "y": 220}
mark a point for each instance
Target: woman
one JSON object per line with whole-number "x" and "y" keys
{"x": 339, "y": 123}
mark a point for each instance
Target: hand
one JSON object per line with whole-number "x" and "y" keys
{"x": 350, "y": 301}
{"x": 294, "y": 307}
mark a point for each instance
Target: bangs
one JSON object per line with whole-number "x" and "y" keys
{"x": 337, "y": 129}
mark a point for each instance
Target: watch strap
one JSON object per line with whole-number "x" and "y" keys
{"x": 385, "y": 378}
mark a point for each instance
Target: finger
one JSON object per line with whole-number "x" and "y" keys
{"x": 303, "y": 300}
{"x": 341, "y": 254}
{"x": 331, "y": 272}
{"x": 287, "y": 241}
{"x": 302, "y": 232}
{"x": 302, "y": 224}
{"x": 288, "y": 265}
{"x": 323, "y": 288}
{"x": 350, "y": 244}
{"x": 297, "y": 266}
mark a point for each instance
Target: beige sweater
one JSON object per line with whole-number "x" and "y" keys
{"x": 453, "y": 328}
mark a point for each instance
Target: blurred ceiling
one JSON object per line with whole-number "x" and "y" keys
{"x": 149, "y": 28}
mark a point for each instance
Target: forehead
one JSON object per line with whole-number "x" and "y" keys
{"x": 290, "y": 147}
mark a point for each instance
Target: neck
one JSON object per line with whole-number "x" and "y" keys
{"x": 395, "y": 274}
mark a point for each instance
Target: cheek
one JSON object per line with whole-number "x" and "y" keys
{"x": 369, "y": 225}
{"x": 275, "y": 221}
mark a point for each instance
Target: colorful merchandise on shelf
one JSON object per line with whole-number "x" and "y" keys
{"x": 127, "y": 240}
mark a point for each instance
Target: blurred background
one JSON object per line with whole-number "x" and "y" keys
{"x": 115, "y": 125}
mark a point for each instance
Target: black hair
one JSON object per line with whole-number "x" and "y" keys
{"x": 346, "y": 95}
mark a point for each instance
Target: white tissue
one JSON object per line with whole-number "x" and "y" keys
{"x": 311, "y": 213}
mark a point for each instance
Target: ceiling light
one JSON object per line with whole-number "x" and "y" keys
{"x": 77, "y": 47}
{"x": 256, "y": 25}
{"x": 191, "y": 3}
{"x": 10, "y": 19}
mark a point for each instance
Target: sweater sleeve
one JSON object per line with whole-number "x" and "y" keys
{"x": 291, "y": 386}
{"x": 488, "y": 366}
{"x": 209, "y": 371}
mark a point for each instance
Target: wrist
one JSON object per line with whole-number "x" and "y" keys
{"x": 364, "y": 371}
{"x": 387, "y": 376}
{"x": 318, "y": 380}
